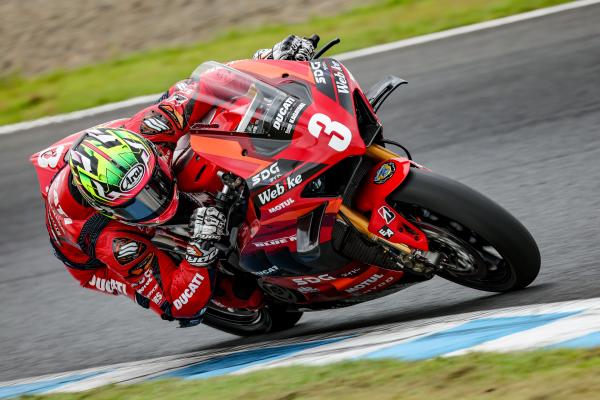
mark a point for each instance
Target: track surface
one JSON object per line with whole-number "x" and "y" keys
{"x": 513, "y": 112}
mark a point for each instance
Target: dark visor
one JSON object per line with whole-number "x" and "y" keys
{"x": 151, "y": 202}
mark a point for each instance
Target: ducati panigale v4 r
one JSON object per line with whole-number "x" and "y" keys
{"x": 321, "y": 212}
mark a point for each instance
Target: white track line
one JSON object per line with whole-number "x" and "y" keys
{"x": 72, "y": 116}
{"x": 361, "y": 343}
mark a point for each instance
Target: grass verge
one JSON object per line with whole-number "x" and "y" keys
{"x": 151, "y": 72}
{"x": 559, "y": 374}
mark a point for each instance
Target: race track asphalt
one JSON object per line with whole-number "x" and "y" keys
{"x": 513, "y": 112}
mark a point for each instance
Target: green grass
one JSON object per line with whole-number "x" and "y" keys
{"x": 560, "y": 374}
{"x": 23, "y": 98}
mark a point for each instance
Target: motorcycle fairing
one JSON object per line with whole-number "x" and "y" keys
{"x": 288, "y": 232}
{"x": 353, "y": 280}
{"x": 49, "y": 161}
{"x": 386, "y": 222}
{"x": 277, "y": 180}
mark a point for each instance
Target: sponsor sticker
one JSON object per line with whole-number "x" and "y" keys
{"x": 287, "y": 116}
{"x": 274, "y": 242}
{"x": 267, "y": 175}
{"x": 173, "y": 114}
{"x": 132, "y": 178}
{"x": 148, "y": 262}
{"x": 365, "y": 284}
{"x": 108, "y": 285}
{"x": 202, "y": 257}
{"x": 308, "y": 289}
{"x": 176, "y": 99}
{"x": 284, "y": 185}
{"x": 282, "y": 205}
{"x": 322, "y": 77}
{"x": 341, "y": 86}
{"x": 268, "y": 271}
{"x": 126, "y": 250}
{"x": 279, "y": 189}
{"x": 387, "y": 214}
{"x": 189, "y": 292}
{"x": 386, "y": 232}
{"x": 353, "y": 272}
{"x": 155, "y": 123}
{"x": 384, "y": 173}
{"x": 307, "y": 280}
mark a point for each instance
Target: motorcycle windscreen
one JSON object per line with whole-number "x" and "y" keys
{"x": 258, "y": 117}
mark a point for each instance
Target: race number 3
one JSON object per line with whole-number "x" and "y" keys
{"x": 340, "y": 135}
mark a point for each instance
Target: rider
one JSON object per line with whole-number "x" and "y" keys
{"x": 101, "y": 211}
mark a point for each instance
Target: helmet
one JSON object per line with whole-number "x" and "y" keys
{"x": 119, "y": 173}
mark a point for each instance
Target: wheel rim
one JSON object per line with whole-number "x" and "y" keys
{"x": 236, "y": 316}
{"x": 468, "y": 258}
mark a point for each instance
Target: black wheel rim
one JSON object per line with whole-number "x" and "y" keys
{"x": 468, "y": 258}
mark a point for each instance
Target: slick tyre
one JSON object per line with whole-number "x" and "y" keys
{"x": 482, "y": 246}
{"x": 251, "y": 323}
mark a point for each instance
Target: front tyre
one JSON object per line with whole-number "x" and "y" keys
{"x": 478, "y": 243}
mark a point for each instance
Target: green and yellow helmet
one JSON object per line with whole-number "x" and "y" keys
{"x": 119, "y": 173}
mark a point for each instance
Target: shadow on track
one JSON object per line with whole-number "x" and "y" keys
{"x": 369, "y": 322}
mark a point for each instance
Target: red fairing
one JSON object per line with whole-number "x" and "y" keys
{"x": 354, "y": 280}
{"x": 381, "y": 181}
{"x": 49, "y": 161}
{"x": 323, "y": 134}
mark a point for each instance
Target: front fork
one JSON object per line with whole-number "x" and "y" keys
{"x": 386, "y": 225}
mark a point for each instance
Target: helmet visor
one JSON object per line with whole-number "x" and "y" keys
{"x": 151, "y": 202}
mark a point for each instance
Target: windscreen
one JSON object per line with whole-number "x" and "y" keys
{"x": 242, "y": 103}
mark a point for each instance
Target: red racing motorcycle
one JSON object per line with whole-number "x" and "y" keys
{"x": 321, "y": 212}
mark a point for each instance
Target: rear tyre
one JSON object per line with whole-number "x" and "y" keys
{"x": 482, "y": 246}
{"x": 270, "y": 318}
{"x": 283, "y": 319}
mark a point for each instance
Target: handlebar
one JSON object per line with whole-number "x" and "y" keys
{"x": 315, "y": 40}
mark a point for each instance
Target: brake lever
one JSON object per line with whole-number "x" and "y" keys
{"x": 326, "y": 48}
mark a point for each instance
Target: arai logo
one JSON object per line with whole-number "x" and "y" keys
{"x": 132, "y": 178}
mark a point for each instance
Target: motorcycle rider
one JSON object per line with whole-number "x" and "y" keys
{"x": 102, "y": 210}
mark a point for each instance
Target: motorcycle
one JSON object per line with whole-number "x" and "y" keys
{"x": 321, "y": 212}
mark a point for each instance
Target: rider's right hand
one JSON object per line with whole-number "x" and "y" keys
{"x": 294, "y": 48}
{"x": 207, "y": 225}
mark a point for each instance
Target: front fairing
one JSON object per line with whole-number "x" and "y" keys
{"x": 281, "y": 130}
{"x": 254, "y": 122}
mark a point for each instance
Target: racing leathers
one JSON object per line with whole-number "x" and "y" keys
{"x": 110, "y": 256}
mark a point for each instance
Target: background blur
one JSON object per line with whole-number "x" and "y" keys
{"x": 40, "y": 36}
{"x": 511, "y": 111}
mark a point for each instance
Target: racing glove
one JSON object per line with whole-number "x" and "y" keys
{"x": 207, "y": 226}
{"x": 291, "y": 48}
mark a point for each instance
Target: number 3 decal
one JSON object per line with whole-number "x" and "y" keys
{"x": 340, "y": 134}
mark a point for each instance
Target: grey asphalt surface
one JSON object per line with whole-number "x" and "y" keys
{"x": 513, "y": 112}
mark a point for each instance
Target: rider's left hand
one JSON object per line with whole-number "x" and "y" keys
{"x": 207, "y": 225}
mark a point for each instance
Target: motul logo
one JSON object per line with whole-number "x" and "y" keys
{"x": 132, "y": 178}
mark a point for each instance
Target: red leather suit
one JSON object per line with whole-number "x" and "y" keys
{"x": 111, "y": 257}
